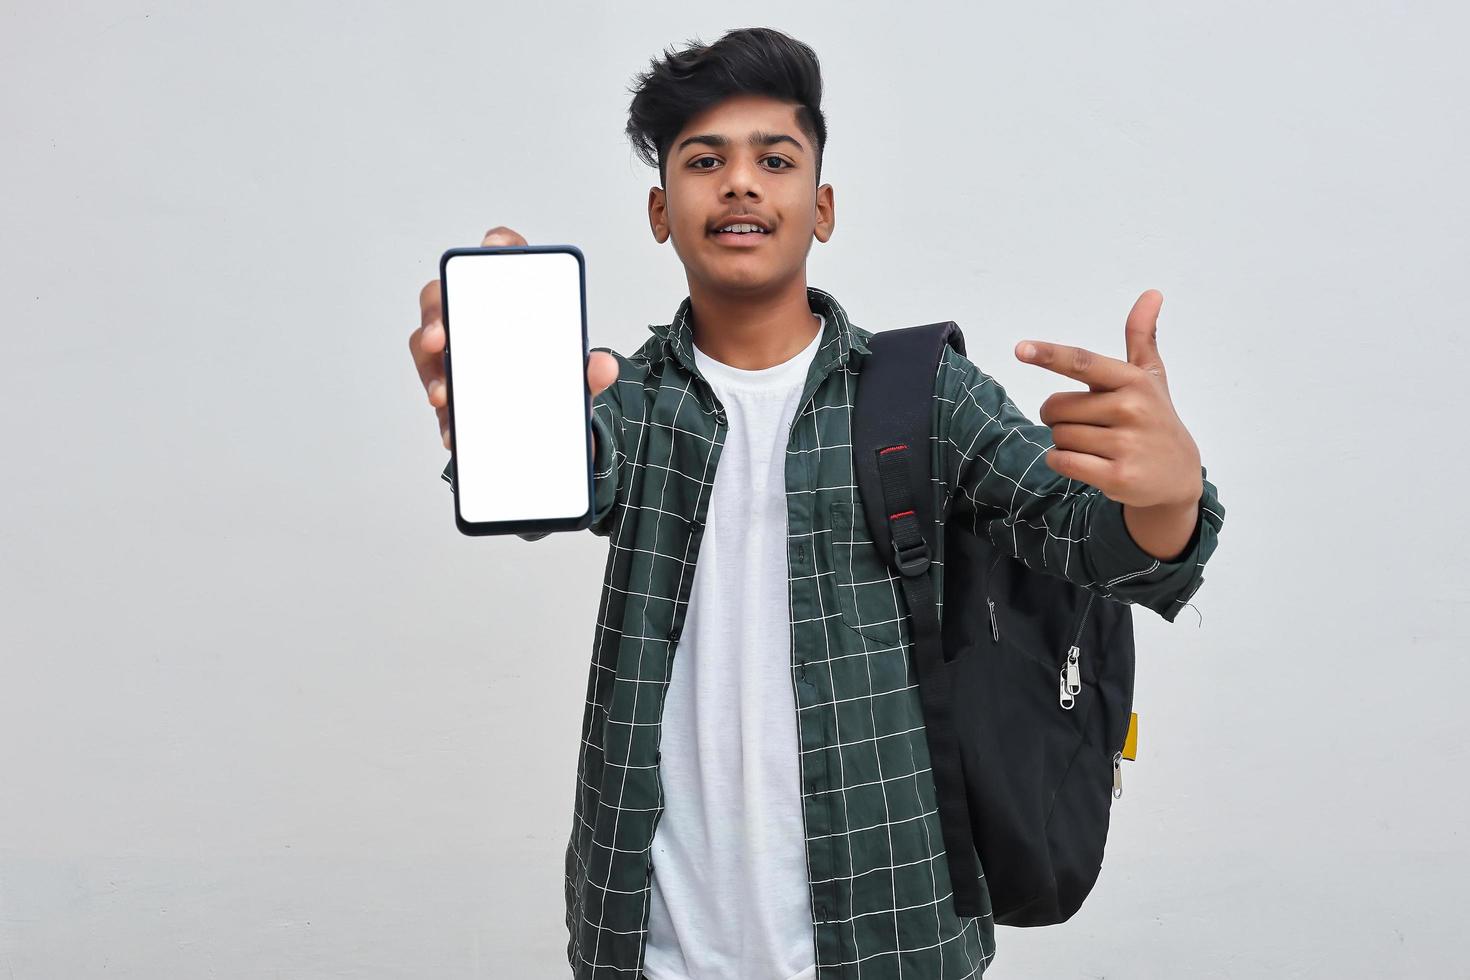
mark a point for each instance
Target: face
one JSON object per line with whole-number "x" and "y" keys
{"x": 714, "y": 173}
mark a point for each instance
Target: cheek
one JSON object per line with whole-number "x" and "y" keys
{"x": 690, "y": 233}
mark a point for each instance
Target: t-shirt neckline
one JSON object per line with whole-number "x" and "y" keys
{"x": 761, "y": 377}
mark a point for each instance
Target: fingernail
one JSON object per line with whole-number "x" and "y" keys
{"x": 1028, "y": 351}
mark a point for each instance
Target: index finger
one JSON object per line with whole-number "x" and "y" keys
{"x": 1098, "y": 371}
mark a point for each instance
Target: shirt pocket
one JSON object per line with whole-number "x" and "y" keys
{"x": 869, "y": 593}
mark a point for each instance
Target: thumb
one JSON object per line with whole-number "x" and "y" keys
{"x": 1142, "y": 333}
{"x": 602, "y": 371}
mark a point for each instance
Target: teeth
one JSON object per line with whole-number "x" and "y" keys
{"x": 743, "y": 229}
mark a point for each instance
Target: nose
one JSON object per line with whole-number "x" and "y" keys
{"x": 741, "y": 177}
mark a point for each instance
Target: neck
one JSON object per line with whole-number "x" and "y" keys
{"x": 753, "y": 332}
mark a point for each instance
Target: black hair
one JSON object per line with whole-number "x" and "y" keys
{"x": 756, "y": 60}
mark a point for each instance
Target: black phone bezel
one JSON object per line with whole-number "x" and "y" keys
{"x": 538, "y": 525}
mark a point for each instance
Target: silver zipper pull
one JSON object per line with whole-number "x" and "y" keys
{"x": 1074, "y": 673}
{"x": 1063, "y": 695}
{"x": 1117, "y": 775}
{"x": 994, "y": 626}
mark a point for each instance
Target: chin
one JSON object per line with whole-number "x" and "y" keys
{"x": 738, "y": 275}
{"x": 742, "y": 281}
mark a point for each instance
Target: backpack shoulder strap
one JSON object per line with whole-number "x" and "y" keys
{"x": 895, "y": 407}
{"x": 891, "y": 428}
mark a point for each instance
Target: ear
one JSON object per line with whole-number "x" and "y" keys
{"x": 658, "y": 218}
{"x": 826, "y": 213}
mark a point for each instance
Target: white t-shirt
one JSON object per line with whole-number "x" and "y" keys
{"x": 730, "y": 895}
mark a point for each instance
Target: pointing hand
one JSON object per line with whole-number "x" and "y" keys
{"x": 1122, "y": 435}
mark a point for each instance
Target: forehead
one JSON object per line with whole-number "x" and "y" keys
{"x": 739, "y": 115}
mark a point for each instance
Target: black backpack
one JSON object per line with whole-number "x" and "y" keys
{"x": 1027, "y": 687}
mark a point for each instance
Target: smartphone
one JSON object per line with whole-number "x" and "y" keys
{"x": 515, "y": 366}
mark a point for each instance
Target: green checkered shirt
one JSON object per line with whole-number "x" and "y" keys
{"x": 879, "y": 880}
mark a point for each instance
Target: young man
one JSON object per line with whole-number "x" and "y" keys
{"x": 760, "y": 805}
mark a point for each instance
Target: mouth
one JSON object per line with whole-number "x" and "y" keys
{"x": 747, "y": 235}
{"x": 740, "y": 230}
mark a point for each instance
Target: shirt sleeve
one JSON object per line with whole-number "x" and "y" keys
{"x": 994, "y": 462}
{"x": 607, "y": 425}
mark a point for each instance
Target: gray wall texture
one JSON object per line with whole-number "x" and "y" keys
{"x": 265, "y": 713}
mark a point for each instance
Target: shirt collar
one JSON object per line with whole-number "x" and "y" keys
{"x": 840, "y": 340}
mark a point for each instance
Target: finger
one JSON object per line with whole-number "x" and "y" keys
{"x": 1141, "y": 332}
{"x": 1092, "y": 470}
{"x": 431, "y": 319}
{"x": 429, "y": 366}
{"x": 443, "y": 414}
{"x": 1095, "y": 440}
{"x": 426, "y": 344}
{"x": 501, "y": 236}
{"x": 602, "y": 371}
{"x": 425, "y": 360}
{"x": 1097, "y": 371}
{"x": 1088, "y": 407}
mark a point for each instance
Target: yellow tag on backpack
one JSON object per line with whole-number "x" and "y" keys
{"x": 1130, "y": 744}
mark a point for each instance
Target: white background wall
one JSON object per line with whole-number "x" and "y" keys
{"x": 265, "y": 713}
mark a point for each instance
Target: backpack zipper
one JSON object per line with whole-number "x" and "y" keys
{"x": 1070, "y": 676}
{"x": 1117, "y": 775}
{"x": 994, "y": 626}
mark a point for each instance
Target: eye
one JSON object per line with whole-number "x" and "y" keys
{"x": 695, "y": 163}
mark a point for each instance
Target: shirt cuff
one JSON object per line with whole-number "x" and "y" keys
{"x": 604, "y": 473}
{"x": 1133, "y": 575}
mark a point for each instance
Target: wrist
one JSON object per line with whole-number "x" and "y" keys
{"x": 1164, "y": 531}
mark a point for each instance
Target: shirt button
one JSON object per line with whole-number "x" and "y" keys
{"x": 674, "y": 635}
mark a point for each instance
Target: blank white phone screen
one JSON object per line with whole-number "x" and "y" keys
{"x": 518, "y": 379}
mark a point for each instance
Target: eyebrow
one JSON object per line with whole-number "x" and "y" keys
{"x": 756, "y": 138}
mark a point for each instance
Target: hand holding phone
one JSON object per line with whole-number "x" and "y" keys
{"x": 428, "y": 346}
